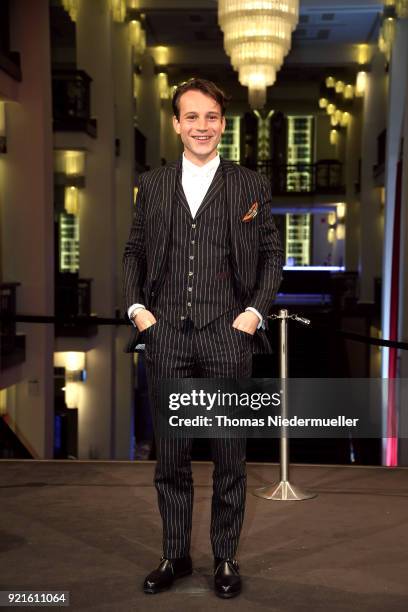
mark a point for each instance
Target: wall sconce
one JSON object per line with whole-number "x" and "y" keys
{"x": 137, "y": 37}
{"x": 348, "y": 92}
{"x": 330, "y": 109}
{"x": 330, "y": 235}
{"x": 161, "y": 55}
{"x": 345, "y": 119}
{"x": 340, "y": 231}
{"x": 75, "y": 374}
{"x": 340, "y": 210}
{"x": 363, "y": 54}
{"x": 163, "y": 85}
{"x": 334, "y": 137}
{"x": 74, "y": 163}
{"x": 361, "y": 83}
{"x": 330, "y": 82}
{"x": 71, "y": 200}
{"x": 323, "y": 102}
{"x": 339, "y": 87}
{"x": 71, "y": 6}
{"x": 118, "y": 9}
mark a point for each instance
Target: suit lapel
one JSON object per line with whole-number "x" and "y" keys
{"x": 244, "y": 236}
{"x": 216, "y": 185}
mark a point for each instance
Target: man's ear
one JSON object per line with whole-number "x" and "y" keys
{"x": 223, "y": 124}
{"x": 176, "y": 125}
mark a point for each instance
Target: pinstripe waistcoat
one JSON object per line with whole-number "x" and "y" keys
{"x": 255, "y": 253}
{"x": 198, "y": 279}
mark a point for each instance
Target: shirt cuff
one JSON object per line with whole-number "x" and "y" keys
{"x": 132, "y": 309}
{"x": 258, "y": 314}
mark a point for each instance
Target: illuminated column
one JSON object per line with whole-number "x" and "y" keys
{"x": 124, "y": 111}
{"x": 351, "y": 175}
{"x": 148, "y": 109}
{"x": 397, "y": 104}
{"x": 27, "y": 220}
{"x": 371, "y": 227}
{"x": 99, "y": 230}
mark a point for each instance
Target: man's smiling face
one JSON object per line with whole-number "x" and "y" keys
{"x": 200, "y": 126}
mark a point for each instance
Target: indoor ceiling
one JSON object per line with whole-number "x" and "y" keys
{"x": 179, "y": 22}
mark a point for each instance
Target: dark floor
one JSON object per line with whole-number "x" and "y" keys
{"x": 92, "y": 528}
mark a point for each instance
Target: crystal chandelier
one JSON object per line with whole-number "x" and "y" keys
{"x": 257, "y": 37}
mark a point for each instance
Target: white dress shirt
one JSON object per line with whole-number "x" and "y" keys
{"x": 196, "y": 181}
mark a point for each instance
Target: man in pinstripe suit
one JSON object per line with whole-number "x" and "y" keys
{"x": 201, "y": 268}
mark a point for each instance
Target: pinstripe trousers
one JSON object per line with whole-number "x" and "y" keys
{"x": 218, "y": 350}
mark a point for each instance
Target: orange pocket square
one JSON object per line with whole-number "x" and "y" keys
{"x": 251, "y": 214}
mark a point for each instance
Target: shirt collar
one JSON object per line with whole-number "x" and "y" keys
{"x": 194, "y": 170}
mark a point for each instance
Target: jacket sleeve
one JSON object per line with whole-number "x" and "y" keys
{"x": 134, "y": 256}
{"x": 270, "y": 256}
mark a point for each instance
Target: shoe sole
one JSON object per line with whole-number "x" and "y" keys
{"x": 153, "y": 591}
{"x": 227, "y": 595}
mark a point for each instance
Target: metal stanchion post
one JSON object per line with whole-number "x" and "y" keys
{"x": 284, "y": 490}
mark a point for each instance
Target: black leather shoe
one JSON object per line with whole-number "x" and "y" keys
{"x": 166, "y": 573}
{"x": 227, "y": 581}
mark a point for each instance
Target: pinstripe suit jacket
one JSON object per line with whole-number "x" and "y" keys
{"x": 256, "y": 253}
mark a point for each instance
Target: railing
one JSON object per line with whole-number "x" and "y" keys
{"x": 71, "y": 101}
{"x": 73, "y": 301}
{"x": 323, "y": 177}
{"x": 12, "y": 345}
{"x": 72, "y": 295}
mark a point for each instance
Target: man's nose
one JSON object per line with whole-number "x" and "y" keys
{"x": 202, "y": 125}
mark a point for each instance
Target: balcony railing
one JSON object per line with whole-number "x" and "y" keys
{"x": 323, "y": 177}
{"x": 12, "y": 344}
{"x": 71, "y": 102}
{"x": 73, "y": 299}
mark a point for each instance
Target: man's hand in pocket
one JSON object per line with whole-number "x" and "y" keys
{"x": 247, "y": 322}
{"x": 143, "y": 319}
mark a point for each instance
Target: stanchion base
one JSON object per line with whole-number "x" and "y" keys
{"x": 283, "y": 491}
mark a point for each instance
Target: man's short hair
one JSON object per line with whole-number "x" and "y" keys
{"x": 206, "y": 87}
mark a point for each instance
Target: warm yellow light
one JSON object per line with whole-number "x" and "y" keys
{"x": 323, "y": 102}
{"x": 363, "y": 54}
{"x": 348, "y": 92}
{"x": 340, "y": 210}
{"x": 333, "y": 137}
{"x": 72, "y": 394}
{"x": 70, "y": 360}
{"x": 118, "y": 8}
{"x": 71, "y": 6}
{"x": 339, "y": 87}
{"x": 330, "y": 81}
{"x": 402, "y": 9}
{"x": 338, "y": 115}
{"x": 3, "y": 401}
{"x": 257, "y": 38}
{"x": 331, "y": 218}
{"x": 74, "y": 163}
{"x": 340, "y": 231}
{"x": 345, "y": 119}
{"x": 330, "y": 235}
{"x": 163, "y": 85}
{"x": 161, "y": 55}
{"x": 330, "y": 109}
{"x": 361, "y": 83}
{"x": 333, "y": 120}
{"x": 71, "y": 200}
